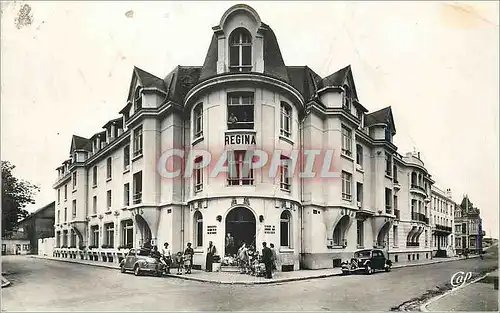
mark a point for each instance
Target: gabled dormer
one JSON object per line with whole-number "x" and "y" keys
{"x": 242, "y": 43}
{"x": 381, "y": 124}
{"x": 80, "y": 148}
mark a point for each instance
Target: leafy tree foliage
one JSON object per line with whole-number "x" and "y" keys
{"x": 16, "y": 194}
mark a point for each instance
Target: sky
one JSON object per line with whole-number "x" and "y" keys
{"x": 66, "y": 68}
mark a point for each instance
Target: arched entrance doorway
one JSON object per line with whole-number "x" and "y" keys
{"x": 383, "y": 236}
{"x": 240, "y": 223}
{"x": 144, "y": 230}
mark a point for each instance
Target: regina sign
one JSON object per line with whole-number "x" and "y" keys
{"x": 240, "y": 139}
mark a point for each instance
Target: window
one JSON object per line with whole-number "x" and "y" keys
{"x": 198, "y": 121}
{"x": 138, "y": 99}
{"x": 395, "y": 174}
{"x": 128, "y": 233}
{"x": 285, "y": 120}
{"x": 108, "y": 199}
{"x": 73, "y": 239}
{"x": 94, "y": 204}
{"x": 285, "y": 229}
{"x": 74, "y": 208}
{"x": 359, "y": 155}
{"x": 65, "y": 239}
{"x": 388, "y": 200}
{"x": 395, "y": 236}
{"x": 346, "y": 141}
{"x": 94, "y": 176}
{"x": 240, "y": 168}
{"x": 388, "y": 133}
{"x": 285, "y": 179}
{"x": 137, "y": 188}
{"x": 198, "y": 174}
{"x": 360, "y": 233}
{"x": 198, "y": 229}
{"x": 58, "y": 195}
{"x": 65, "y": 192}
{"x": 138, "y": 141}
{"x": 74, "y": 180}
{"x": 347, "y": 98}
{"x": 240, "y": 110}
{"x": 388, "y": 164}
{"x": 65, "y": 214}
{"x": 108, "y": 168}
{"x": 359, "y": 194}
{"x": 110, "y": 235}
{"x": 240, "y": 51}
{"x": 95, "y": 235}
{"x": 395, "y": 204}
{"x": 126, "y": 158}
{"x": 126, "y": 194}
{"x": 58, "y": 216}
{"x": 346, "y": 186}
{"x": 413, "y": 180}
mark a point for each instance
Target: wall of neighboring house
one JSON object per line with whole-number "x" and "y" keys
{"x": 46, "y": 246}
{"x": 15, "y": 246}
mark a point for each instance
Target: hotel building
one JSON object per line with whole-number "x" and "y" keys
{"x": 112, "y": 193}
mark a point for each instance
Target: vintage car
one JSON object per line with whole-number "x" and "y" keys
{"x": 367, "y": 261}
{"x": 140, "y": 261}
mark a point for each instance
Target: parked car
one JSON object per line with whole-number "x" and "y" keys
{"x": 140, "y": 261}
{"x": 367, "y": 261}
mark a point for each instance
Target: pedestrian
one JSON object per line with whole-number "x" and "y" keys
{"x": 188, "y": 258}
{"x": 243, "y": 258}
{"x": 275, "y": 257}
{"x": 210, "y": 256}
{"x": 167, "y": 257}
{"x": 267, "y": 256}
{"x": 179, "y": 260}
{"x": 229, "y": 245}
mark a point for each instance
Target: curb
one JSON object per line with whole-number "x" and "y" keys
{"x": 5, "y": 282}
{"x": 423, "y": 307}
{"x": 221, "y": 282}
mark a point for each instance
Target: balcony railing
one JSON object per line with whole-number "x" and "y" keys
{"x": 443, "y": 228}
{"x": 412, "y": 244}
{"x": 138, "y": 198}
{"x": 388, "y": 209}
{"x": 420, "y": 188}
{"x": 415, "y": 216}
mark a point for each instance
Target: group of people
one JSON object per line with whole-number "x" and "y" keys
{"x": 253, "y": 263}
{"x": 184, "y": 261}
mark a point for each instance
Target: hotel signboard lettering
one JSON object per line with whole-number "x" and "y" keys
{"x": 240, "y": 139}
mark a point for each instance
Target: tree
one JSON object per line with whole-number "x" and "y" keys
{"x": 16, "y": 194}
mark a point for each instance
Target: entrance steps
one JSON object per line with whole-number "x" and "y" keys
{"x": 231, "y": 269}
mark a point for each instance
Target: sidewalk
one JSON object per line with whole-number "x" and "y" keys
{"x": 235, "y": 278}
{"x": 5, "y": 282}
{"x": 477, "y": 296}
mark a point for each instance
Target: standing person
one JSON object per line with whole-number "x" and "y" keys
{"x": 243, "y": 258}
{"x": 267, "y": 256}
{"x": 210, "y": 256}
{"x": 188, "y": 258}
{"x": 167, "y": 257}
{"x": 229, "y": 245}
{"x": 179, "y": 260}
{"x": 275, "y": 257}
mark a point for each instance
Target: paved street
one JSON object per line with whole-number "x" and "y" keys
{"x": 51, "y": 285}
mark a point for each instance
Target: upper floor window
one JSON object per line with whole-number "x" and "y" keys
{"x": 240, "y": 168}
{"x": 240, "y": 51}
{"x": 137, "y": 185}
{"x": 74, "y": 180}
{"x": 65, "y": 192}
{"x": 138, "y": 141}
{"x": 126, "y": 157}
{"x": 109, "y": 167}
{"x": 388, "y": 164}
{"x": 346, "y": 186}
{"x": 346, "y": 141}
{"x": 73, "y": 212}
{"x": 286, "y": 119}
{"x": 94, "y": 176}
{"x": 198, "y": 174}
{"x": 240, "y": 110}
{"x": 137, "y": 99}
{"x": 285, "y": 177}
{"x": 198, "y": 121}
{"x": 359, "y": 155}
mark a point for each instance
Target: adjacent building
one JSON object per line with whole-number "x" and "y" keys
{"x": 39, "y": 225}
{"x": 442, "y": 221}
{"x": 468, "y": 228}
{"x": 16, "y": 243}
{"x": 114, "y": 191}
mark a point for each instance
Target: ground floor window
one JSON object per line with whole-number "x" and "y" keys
{"x": 127, "y": 233}
{"x": 285, "y": 229}
{"x": 65, "y": 239}
{"x": 94, "y": 232}
{"x": 73, "y": 238}
{"x": 198, "y": 229}
{"x": 58, "y": 239}
{"x": 360, "y": 233}
{"x": 109, "y": 240}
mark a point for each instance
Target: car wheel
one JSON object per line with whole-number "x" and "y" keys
{"x": 159, "y": 274}
{"x": 122, "y": 269}
{"x": 369, "y": 269}
{"x": 137, "y": 271}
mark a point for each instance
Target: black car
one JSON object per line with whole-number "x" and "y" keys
{"x": 367, "y": 261}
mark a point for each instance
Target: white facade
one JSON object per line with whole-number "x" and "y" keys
{"x": 442, "y": 221}
{"x": 244, "y": 98}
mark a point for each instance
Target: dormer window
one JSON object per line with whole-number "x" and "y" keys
{"x": 347, "y": 98}
{"x": 137, "y": 99}
{"x": 240, "y": 51}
